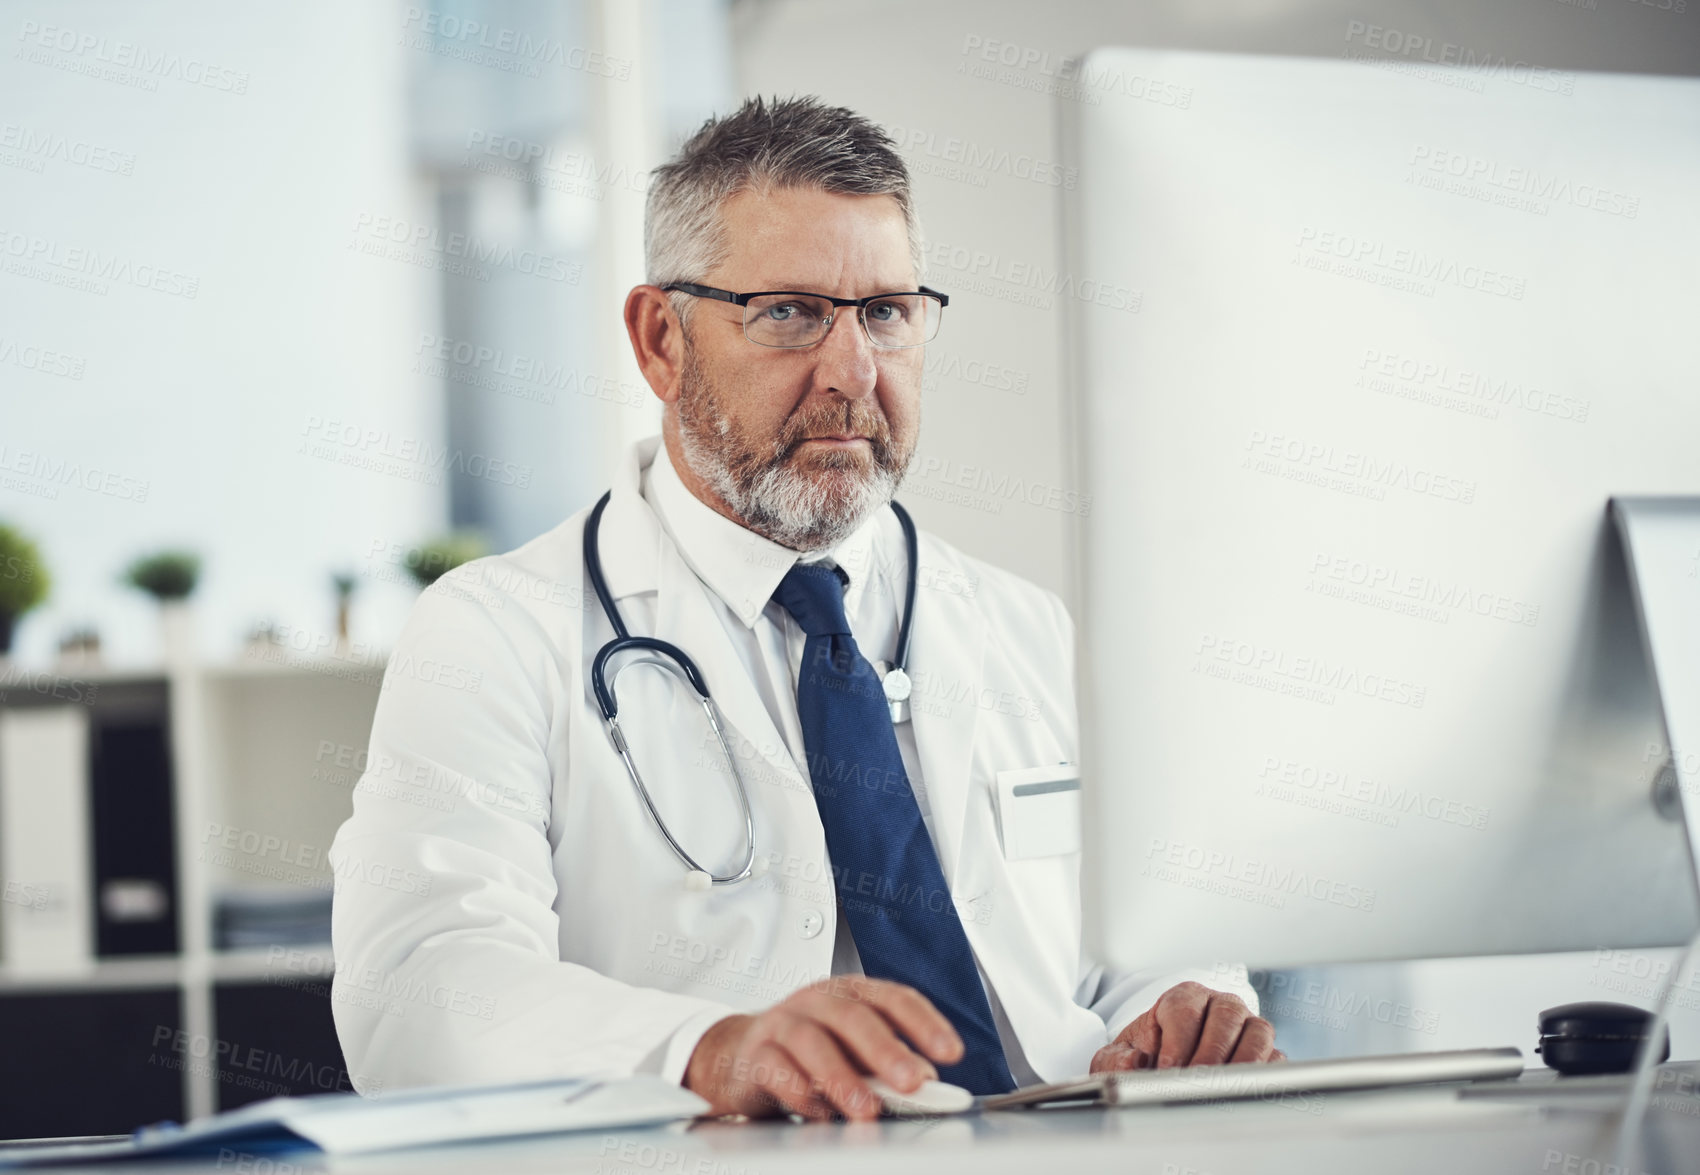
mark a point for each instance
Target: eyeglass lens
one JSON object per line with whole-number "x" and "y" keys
{"x": 797, "y": 320}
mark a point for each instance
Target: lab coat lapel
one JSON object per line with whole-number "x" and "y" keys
{"x": 946, "y": 654}
{"x": 630, "y": 531}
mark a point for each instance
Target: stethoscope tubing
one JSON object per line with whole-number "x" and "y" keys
{"x": 682, "y": 664}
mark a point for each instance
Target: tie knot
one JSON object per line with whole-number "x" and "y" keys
{"x": 814, "y": 595}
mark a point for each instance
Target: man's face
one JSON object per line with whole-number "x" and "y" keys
{"x": 802, "y": 443}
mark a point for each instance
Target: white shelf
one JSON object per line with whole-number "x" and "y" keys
{"x": 143, "y": 971}
{"x": 140, "y": 971}
{"x": 283, "y": 663}
{"x": 247, "y": 740}
{"x": 280, "y": 662}
{"x": 261, "y": 963}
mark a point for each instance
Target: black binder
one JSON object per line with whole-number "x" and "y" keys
{"x": 130, "y": 801}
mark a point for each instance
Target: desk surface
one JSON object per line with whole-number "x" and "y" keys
{"x": 1532, "y": 1126}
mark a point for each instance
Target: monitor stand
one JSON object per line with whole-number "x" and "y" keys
{"x": 1661, "y": 546}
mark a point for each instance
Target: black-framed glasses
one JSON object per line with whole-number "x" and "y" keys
{"x": 792, "y": 318}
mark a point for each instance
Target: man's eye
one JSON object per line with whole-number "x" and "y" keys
{"x": 785, "y": 311}
{"x": 886, "y": 312}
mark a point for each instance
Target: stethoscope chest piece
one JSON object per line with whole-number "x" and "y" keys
{"x": 897, "y": 687}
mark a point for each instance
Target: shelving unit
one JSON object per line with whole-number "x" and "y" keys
{"x": 262, "y": 746}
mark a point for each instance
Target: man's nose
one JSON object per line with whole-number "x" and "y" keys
{"x": 846, "y": 357}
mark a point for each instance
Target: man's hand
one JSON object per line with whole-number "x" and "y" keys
{"x": 809, "y": 1053}
{"x": 1190, "y": 1024}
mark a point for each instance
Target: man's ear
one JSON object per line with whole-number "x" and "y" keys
{"x": 658, "y": 340}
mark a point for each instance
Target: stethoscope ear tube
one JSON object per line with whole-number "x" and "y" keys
{"x": 911, "y": 546}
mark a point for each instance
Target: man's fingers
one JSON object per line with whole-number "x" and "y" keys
{"x": 1277, "y": 1055}
{"x": 1118, "y": 1057}
{"x": 1224, "y": 1019}
{"x": 909, "y": 1012}
{"x": 1111, "y": 1058}
{"x": 779, "y": 1079}
{"x": 870, "y": 1038}
{"x": 826, "y": 1068}
{"x": 1180, "y": 1016}
{"x": 1143, "y": 1035}
{"x": 1257, "y": 1042}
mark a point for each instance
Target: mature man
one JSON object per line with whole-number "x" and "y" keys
{"x": 524, "y": 888}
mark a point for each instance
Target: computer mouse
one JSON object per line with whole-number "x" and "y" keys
{"x": 931, "y": 1099}
{"x": 1595, "y": 1037}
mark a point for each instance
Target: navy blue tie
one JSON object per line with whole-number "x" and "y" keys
{"x": 891, "y": 890}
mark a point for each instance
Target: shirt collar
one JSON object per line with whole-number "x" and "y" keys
{"x": 740, "y": 566}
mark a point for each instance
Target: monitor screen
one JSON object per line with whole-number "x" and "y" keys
{"x": 1360, "y": 666}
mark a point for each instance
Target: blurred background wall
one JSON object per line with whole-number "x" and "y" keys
{"x": 279, "y": 345}
{"x": 319, "y": 283}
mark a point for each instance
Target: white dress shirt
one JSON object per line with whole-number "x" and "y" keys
{"x": 743, "y": 570}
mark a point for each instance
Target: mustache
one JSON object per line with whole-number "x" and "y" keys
{"x": 854, "y": 417}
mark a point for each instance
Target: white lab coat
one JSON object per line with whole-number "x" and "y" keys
{"x": 506, "y": 910}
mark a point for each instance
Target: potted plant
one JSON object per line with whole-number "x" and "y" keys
{"x": 170, "y": 578}
{"x": 23, "y": 581}
{"x": 430, "y": 561}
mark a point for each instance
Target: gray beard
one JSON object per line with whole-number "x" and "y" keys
{"x": 770, "y": 497}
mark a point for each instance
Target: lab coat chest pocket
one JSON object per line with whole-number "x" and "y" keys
{"x": 1039, "y": 811}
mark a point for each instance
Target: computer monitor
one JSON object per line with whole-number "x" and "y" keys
{"x": 1361, "y": 673}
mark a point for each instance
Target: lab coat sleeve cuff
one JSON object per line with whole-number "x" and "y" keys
{"x": 676, "y": 1056}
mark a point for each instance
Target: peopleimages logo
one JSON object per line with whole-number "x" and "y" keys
{"x": 1513, "y": 180}
{"x": 1263, "y": 882}
{"x": 587, "y": 176}
{"x": 403, "y": 236}
{"x": 1394, "y": 46}
{"x": 1446, "y": 384}
{"x": 85, "y": 268}
{"x": 47, "y": 362}
{"x": 1220, "y": 656}
{"x": 152, "y": 64}
{"x": 1282, "y": 779}
{"x": 954, "y": 157}
{"x": 1400, "y": 267}
{"x": 44, "y": 146}
{"x": 997, "y": 485}
{"x": 1349, "y": 470}
{"x": 414, "y": 458}
{"x": 1028, "y": 283}
{"x": 43, "y": 475}
{"x": 1077, "y": 79}
{"x": 511, "y": 49}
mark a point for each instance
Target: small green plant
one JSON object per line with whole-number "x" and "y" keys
{"x": 344, "y": 583}
{"x": 23, "y": 577}
{"x": 430, "y": 561}
{"x": 165, "y": 575}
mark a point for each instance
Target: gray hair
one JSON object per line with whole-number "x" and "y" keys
{"x": 763, "y": 146}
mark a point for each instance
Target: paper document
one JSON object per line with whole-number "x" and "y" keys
{"x": 348, "y": 1124}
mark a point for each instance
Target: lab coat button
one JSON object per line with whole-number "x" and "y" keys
{"x": 812, "y": 922}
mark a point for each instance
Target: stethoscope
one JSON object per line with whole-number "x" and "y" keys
{"x": 894, "y": 681}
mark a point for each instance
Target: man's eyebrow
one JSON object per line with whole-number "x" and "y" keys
{"x": 806, "y": 288}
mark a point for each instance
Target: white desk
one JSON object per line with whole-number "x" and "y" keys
{"x": 1532, "y": 1126}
